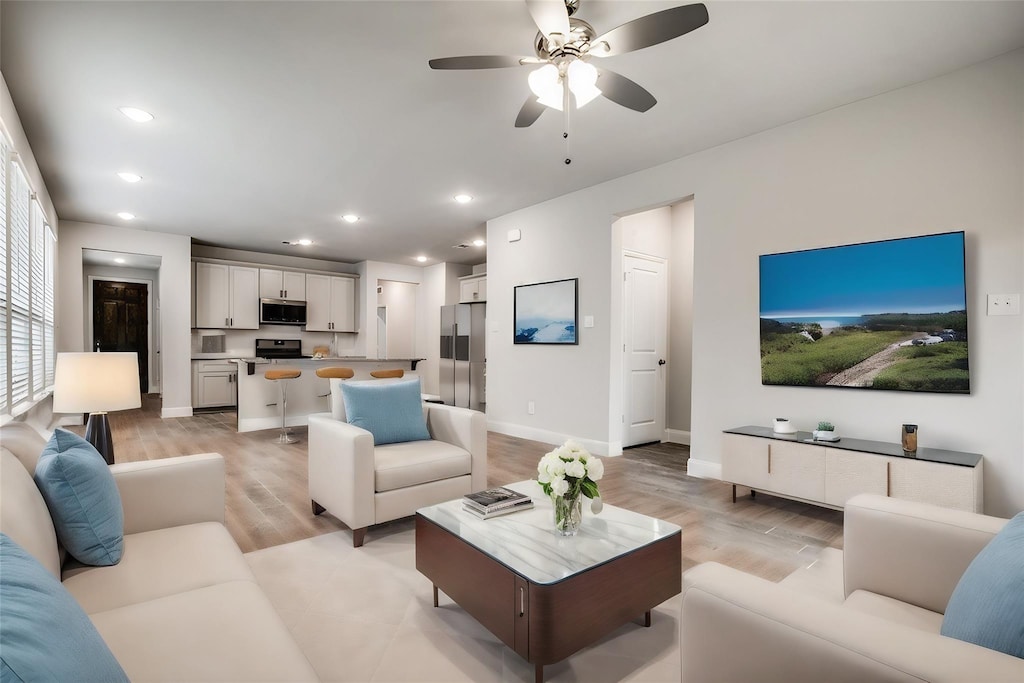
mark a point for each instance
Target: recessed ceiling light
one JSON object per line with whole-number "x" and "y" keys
{"x": 125, "y": 216}
{"x": 119, "y": 260}
{"x": 136, "y": 114}
{"x": 350, "y": 218}
{"x": 463, "y": 198}
{"x": 304, "y": 242}
{"x": 129, "y": 177}
{"x": 421, "y": 259}
{"x": 478, "y": 243}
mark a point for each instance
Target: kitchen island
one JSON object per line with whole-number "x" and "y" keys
{"x": 308, "y": 394}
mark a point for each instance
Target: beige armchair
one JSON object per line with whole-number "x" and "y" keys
{"x": 901, "y": 562}
{"x": 363, "y": 485}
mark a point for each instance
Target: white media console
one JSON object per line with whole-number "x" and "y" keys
{"x": 829, "y": 473}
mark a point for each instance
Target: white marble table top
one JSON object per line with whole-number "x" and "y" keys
{"x": 527, "y": 543}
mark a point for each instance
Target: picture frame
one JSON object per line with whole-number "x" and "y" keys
{"x": 546, "y": 313}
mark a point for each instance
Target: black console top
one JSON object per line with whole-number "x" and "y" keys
{"x": 894, "y": 450}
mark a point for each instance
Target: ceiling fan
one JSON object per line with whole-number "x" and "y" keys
{"x": 565, "y": 45}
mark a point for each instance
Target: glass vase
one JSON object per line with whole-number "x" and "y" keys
{"x": 568, "y": 514}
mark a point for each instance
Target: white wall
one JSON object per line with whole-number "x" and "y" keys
{"x": 680, "y": 322}
{"x": 174, "y": 297}
{"x": 945, "y": 154}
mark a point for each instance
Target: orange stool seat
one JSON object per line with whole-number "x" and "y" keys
{"x": 386, "y": 374}
{"x": 282, "y": 374}
{"x": 335, "y": 373}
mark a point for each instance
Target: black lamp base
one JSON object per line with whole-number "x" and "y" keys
{"x": 97, "y": 432}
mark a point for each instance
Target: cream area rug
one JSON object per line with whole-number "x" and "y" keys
{"x": 366, "y": 614}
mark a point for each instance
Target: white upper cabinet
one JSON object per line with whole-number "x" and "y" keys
{"x": 473, "y": 288}
{"x": 227, "y": 296}
{"x": 330, "y": 303}
{"x": 282, "y": 284}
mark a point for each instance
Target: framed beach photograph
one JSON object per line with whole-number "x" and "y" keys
{"x": 547, "y": 313}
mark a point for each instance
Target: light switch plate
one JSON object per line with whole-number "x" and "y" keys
{"x": 515, "y": 235}
{"x": 1004, "y": 304}
{"x": 588, "y": 321}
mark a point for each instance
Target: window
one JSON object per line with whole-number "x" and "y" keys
{"x": 27, "y": 260}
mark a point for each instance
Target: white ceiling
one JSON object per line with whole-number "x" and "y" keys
{"x": 275, "y": 118}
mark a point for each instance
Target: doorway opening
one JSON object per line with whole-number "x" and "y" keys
{"x": 657, "y": 327}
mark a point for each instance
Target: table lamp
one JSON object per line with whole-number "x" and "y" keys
{"x": 97, "y": 383}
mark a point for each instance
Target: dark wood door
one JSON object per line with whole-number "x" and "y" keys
{"x": 120, "y": 321}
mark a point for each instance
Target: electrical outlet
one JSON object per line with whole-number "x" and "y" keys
{"x": 529, "y": 407}
{"x": 588, "y": 321}
{"x": 1004, "y": 304}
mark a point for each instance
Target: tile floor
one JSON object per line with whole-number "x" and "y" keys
{"x": 366, "y": 614}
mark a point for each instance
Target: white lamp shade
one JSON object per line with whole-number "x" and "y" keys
{"x": 546, "y": 84}
{"x": 96, "y": 382}
{"x": 582, "y": 82}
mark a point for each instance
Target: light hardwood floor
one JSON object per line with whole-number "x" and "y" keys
{"x": 268, "y": 502}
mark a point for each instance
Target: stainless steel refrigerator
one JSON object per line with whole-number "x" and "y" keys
{"x": 463, "y": 355}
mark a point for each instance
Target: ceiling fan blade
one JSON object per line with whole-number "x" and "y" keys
{"x": 550, "y": 17}
{"x": 531, "y": 111}
{"x": 650, "y": 30}
{"x": 481, "y": 62}
{"x": 622, "y": 90}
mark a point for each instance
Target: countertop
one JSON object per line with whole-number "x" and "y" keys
{"x": 324, "y": 359}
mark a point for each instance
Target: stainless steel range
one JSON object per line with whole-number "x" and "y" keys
{"x": 279, "y": 348}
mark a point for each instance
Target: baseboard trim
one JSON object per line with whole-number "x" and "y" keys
{"x": 677, "y": 436}
{"x": 185, "y": 411}
{"x": 703, "y": 469}
{"x": 554, "y": 438}
{"x": 255, "y": 424}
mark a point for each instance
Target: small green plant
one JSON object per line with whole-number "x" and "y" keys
{"x": 824, "y": 426}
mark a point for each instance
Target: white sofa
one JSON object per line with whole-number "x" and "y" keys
{"x": 363, "y": 485}
{"x": 182, "y": 604}
{"x": 901, "y": 562}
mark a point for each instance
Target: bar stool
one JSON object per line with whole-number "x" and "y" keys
{"x": 334, "y": 373}
{"x": 282, "y": 377}
{"x": 388, "y": 374}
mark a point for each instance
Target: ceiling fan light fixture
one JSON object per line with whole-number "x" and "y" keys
{"x": 582, "y": 82}
{"x": 546, "y": 84}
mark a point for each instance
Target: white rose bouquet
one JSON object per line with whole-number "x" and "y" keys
{"x": 565, "y": 474}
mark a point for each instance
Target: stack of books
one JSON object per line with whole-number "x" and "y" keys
{"x": 495, "y": 502}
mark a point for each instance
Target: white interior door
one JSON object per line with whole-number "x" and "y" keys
{"x": 645, "y": 292}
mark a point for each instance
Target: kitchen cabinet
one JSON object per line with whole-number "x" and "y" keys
{"x": 330, "y": 303}
{"x": 829, "y": 474}
{"x": 227, "y": 297}
{"x": 282, "y": 284}
{"x": 472, "y": 288}
{"x": 214, "y": 384}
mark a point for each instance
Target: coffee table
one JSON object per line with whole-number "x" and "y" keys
{"x": 544, "y": 595}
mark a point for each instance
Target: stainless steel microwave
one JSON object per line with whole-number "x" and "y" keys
{"x": 282, "y": 312}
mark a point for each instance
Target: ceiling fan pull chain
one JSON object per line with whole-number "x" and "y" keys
{"x": 565, "y": 110}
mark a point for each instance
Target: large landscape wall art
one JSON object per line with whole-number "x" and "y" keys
{"x": 879, "y": 315}
{"x": 546, "y": 313}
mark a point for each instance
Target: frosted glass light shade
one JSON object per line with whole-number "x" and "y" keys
{"x": 546, "y": 84}
{"x": 582, "y": 79}
{"x": 96, "y": 382}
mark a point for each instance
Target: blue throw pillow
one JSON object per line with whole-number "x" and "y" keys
{"x": 45, "y": 634}
{"x": 987, "y": 605}
{"x": 391, "y": 411}
{"x": 83, "y": 500}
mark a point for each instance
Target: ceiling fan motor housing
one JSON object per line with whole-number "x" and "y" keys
{"x": 580, "y": 36}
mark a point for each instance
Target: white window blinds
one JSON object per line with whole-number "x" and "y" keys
{"x": 27, "y": 264}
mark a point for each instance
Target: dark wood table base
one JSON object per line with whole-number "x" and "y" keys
{"x": 545, "y": 623}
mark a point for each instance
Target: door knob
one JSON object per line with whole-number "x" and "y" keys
{"x": 661, "y": 361}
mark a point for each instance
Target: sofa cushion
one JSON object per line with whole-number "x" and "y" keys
{"x": 400, "y": 465}
{"x": 897, "y": 611}
{"x": 392, "y": 412}
{"x": 24, "y": 515}
{"x": 227, "y": 632}
{"x": 82, "y": 497}
{"x": 45, "y": 634}
{"x": 159, "y": 563}
{"x": 987, "y": 605}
